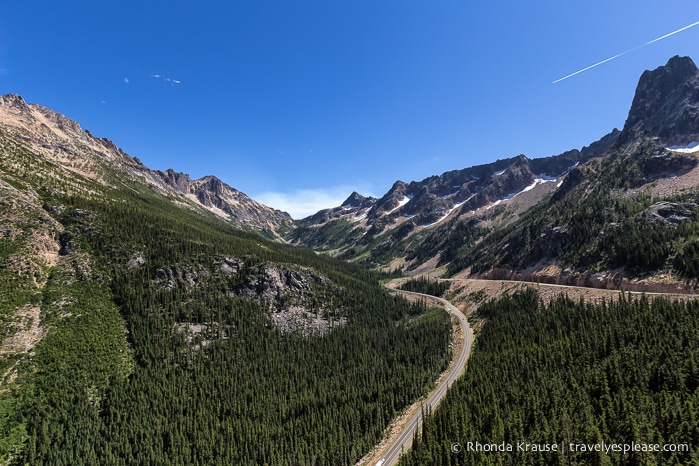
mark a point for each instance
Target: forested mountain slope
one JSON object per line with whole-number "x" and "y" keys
{"x": 139, "y": 329}
{"x": 631, "y": 214}
{"x": 620, "y": 212}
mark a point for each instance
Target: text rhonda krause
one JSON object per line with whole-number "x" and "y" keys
{"x": 623, "y": 448}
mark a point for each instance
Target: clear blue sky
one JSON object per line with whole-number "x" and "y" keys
{"x": 297, "y": 103}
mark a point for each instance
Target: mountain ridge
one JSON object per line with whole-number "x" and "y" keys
{"x": 413, "y": 221}
{"x": 410, "y": 207}
{"x": 64, "y": 141}
{"x": 608, "y": 224}
{"x": 436, "y": 219}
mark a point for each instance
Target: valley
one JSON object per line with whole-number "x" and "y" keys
{"x": 150, "y": 318}
{"x": 140, "y": 329}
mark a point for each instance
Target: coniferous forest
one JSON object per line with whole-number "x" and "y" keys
{"x": 120, "y": 378}
{"x": 426, "y": 286}
{"x": 148, "y": 319}
{"x": 571, "y": 372}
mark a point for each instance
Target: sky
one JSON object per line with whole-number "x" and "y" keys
{"x": 299, "y": 103}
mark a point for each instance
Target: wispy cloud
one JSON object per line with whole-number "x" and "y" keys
{"x": 627, "y": 52}
{"x": 126, "y": 80}
{"x": 301, "y": 203}
{"x": 165, "y": 79}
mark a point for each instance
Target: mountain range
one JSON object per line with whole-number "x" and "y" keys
{"x": 63, "y": 141}
{"x": 148, "y": 318}
{"x": 423, "y": 224}
{"x": 439, "y": 221}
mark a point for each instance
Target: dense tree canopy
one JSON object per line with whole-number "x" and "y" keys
{"x": 571, "y": 372}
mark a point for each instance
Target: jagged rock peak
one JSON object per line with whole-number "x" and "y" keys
{"x": 63, "y": 122}
{"x": 666, "y": 104}
{"x": 667, "y": 78}
{"x": 354, "y": 200}
{"x": 14, "y": 101}
{"x": 178, "y": 180}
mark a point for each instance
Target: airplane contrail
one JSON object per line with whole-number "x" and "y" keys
{"x": 627, "y": 52}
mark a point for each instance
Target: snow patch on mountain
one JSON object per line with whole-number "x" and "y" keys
{"x": 537, "y": 181}
{"x": 401, "y": 203}
{"x": 361, "y": 216}
{"x": 688, "y": 149}
{"x": 447, "y": 214}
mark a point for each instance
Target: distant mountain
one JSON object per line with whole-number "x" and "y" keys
{"x": 622, "y": 208}
{"x": 64, "y": 142}
{"x": 481, "y": 193}
{"x": 629, "y": 218}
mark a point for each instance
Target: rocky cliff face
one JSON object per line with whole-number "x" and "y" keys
{"x": 63, "y": 141}
{"x": 225, "y": 201}
{"x": 666, "y": 104}
{"x": 289, "y": 295}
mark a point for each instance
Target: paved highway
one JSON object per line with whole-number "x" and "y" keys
{"x": 403, "y": 441}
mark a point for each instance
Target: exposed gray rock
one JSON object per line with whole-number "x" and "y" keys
{"x": 290, "y": 296}
{"x": 231, "y": 266}
{"x": 666, "y": 104}
{"x": 297, "y": 319}
{"x": 136, "y": 261}
{"x": 273, "y": 283}
{"x": 671, "y": 212}
{"x": 172, "y": 277}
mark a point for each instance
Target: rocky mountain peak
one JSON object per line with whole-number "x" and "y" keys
{"x": 61, "y": 121}
{"x": 177, "y": 180}
{"x": 215, "y": 185}
{"x": 666, "y": 104}
{"x": 14, "y": 101}
{"x": 354, "y": 200}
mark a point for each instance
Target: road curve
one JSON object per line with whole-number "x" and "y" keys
{"x": 403, "y": 441}
{"x": 392, "y": 452}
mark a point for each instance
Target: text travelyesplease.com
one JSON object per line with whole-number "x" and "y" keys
{"x": 525, "y": 447}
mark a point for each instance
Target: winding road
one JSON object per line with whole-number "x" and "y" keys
{"x": 403, "y": 441}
